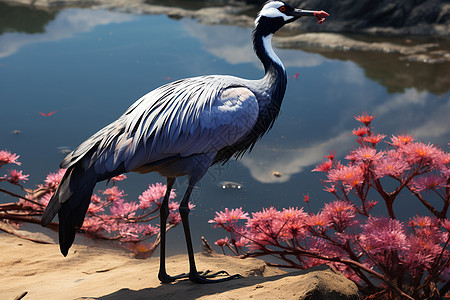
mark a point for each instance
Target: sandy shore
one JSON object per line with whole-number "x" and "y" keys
{"x": 42, "y": 272}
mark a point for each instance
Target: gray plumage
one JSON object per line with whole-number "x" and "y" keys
{"x": 181, "y": 128}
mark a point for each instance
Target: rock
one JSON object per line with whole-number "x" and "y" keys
{"x": 401, "y": 17}
{"x": 321, "y": 282}
{"x": 425, "y": 53}
{"x": 335, "y": 41}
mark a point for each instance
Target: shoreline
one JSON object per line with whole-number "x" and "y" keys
{"x": 292, "y": 37}
{"x": 38, "y": 271}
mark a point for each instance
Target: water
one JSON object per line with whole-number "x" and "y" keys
{"x": 88, "y": 66}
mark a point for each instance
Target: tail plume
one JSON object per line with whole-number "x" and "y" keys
{"x": 70, "y": 201}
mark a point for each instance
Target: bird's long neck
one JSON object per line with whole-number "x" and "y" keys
{"x": 262, "y": 44}
{"x": 275, "y": 79}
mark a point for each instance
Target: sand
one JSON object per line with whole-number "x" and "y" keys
{"x": 91, "y": 272}
{"x": 38, "y": 271}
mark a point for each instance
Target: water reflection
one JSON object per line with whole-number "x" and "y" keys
{"x": 45, "y": 27}
{"x": 396, "y": 74}
{"x": 188, "y": 4}
{"x": 234, "y": 45}
{"x": 23, "y": 19}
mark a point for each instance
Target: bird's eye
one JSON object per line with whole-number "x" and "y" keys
{"x": 283, "y": 9}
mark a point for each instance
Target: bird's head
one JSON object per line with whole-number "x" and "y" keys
{"x": 275, "y": 14}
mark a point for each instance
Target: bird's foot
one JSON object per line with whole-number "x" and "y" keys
{"x": 203, "y": 277}
{"x": 198, "y": 277}
{"x": 164, "y": 278}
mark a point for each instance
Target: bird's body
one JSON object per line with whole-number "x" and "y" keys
{"x": 181, "y": 128}
{"x": 217, "y": 113}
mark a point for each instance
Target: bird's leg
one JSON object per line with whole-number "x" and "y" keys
{"x": 164, "y": 214}
{"x": 193, "y": 273}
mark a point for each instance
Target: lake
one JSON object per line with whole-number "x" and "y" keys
{"x": 88, "y": 66}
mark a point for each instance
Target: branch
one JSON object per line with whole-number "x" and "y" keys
{"x": 27, "y": 218}
{"x": 430, "y": 207}
{"x": 20, "y": 196}
{"x": 388, "y": 198}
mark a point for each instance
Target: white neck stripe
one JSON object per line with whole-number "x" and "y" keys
{"x": 267, "y": 42}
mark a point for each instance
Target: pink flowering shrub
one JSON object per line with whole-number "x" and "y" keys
{"x": 110, "y": 216}
{"x": 387, "y": 258}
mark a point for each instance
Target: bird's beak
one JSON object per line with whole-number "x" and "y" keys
{"x": 320, "y": 15}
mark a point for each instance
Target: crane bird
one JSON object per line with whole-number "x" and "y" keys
{"x": 181, "y": 128}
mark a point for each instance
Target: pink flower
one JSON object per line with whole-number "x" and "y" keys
{"x": 350, "y": 176}
{"x": 365, "y": 154}
{"x": 174, "y": 205}
{"x": 222, "y": 242}
{"x": 240, "y": 242}
{"x": 119, "y": 178}
{"x": 110, "y": 223}
{"x": 401, "y": 140}
{"x": 428, "y": 182}
{"x": 364, "y": 118}
{"x": 374, "y": 139}
{"x": 229, "y": 217}
{"x": 95, "y": 208}
{"x": 444, "y": 160}
{"x": 53, "y": 179}
{"x": 330, "y": 189}
{"x": 174, "y": 217}
{"x": 15, "y": 176}
{"x": 361, "y": 131}
{"x": 95, "y": 198}
{"x": 257, "y": 240}
{"x": 266, "y": 226}
{"x": 154, "y": 194}
{"x": 383, "y": 234}
{"x": 446, "y": 224}
{"x": 266, "y": 215}
{"x": 150, "y": 230}
{"x": 130, "y": 232}
{"x": 424, "y": 245}
{"x": 420, "y": 152}
{"x": 424, "y": 221}
{"x": 323, "y": 166}
{"x": 114, "y": 194}
{"x": 46, "y": 199}
{"x": 306, "y": 198}
{"x": 7, "y": 157}
{"x": 292, "y": 222}
{"x": 331, "y": 155}
{"x": 92, "y": 224}
{"x": 123, "y": 209}
{"x": 36, "y": 207}
{"x": 319, "y": 221}
{"x": 390, "y": 165}
{"x": 340, "y": 214}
